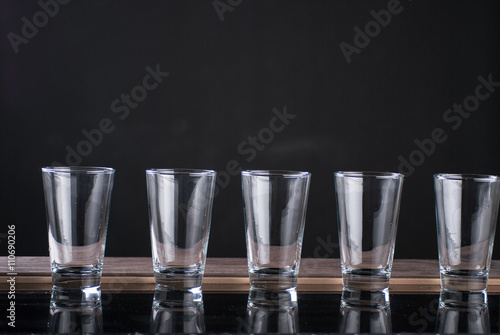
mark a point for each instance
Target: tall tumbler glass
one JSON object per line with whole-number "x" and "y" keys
{"x": 466, "y": 215}
{"x": 180, "y": 210}
{"x": 368, "y": 210}
{"x": 275, "y": 205}
{"x": 77, "y": 201}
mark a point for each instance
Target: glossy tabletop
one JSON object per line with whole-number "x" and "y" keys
{"x": 230, "y": 313}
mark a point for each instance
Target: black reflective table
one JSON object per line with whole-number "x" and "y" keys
{"x": 229, "y": 313}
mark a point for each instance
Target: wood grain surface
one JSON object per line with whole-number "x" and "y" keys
{"x": 231, "y": 275}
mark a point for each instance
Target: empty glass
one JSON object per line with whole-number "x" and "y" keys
{"x": 81, "y": 319}
{"x": 180, "y": 210}
{"x": 279, "y": 314}
{"x": 466, "y": 215}
{"x": 183, "y": 316}
{"x": 275, "y": 210}
{"x": 368, "y": 210}
{"x": 368, "y": 319}
{"x": 468, "y": 318}
{"x": 77, "y": 201}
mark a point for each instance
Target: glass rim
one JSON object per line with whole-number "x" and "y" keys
{"x": 467, "y": 176}
{"x": 276, "y": 173}
{"x": 180, "y": 171}
{"x": 369, "y": 174}
{"x": 78, "y": 169}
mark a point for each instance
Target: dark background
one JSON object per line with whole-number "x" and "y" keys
{"x": 225, "y": 78}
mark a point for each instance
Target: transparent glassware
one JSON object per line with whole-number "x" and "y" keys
{"x": 279, "y": 314}
{"x": 368, "y": 210}
{"x": 466, "y": 217}
{"x": 180, "y": 211}
{"x": 275, "y": 205}
{"x": 81, "y": 319}
{"x": 182, "y": 315}
{"x": 77, "y": 202}
{"x": 470, "y": 318}
{"x": 367, "y": 319}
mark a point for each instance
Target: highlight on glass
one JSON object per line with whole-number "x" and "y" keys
{"x": 368, "y": 210}
{"x": 180, "y": 211}
{"x": 466, "y": 218}
{"x": 275, "y": 205}
{"x": 77, "y": 202}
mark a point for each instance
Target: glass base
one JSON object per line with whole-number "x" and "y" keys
{"x": 449, "y": 298}
{"x": 365, "y": 298}
{"x": 164, "y": 298}
{"x": 260, "y": 297}
{"x": 365, "y": 279}
{"x": 89, "y": 296}
{"x": 76, "y": 277}
{"x": 273, "y": 278}
{"x": 178, "y": 279}
{"x": 464, "y": 280}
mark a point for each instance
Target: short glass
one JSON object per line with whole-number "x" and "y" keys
{"x": 275, "y": 205}
{"x": 77, "y": 202}
{"x": 183, "y": 316}
{"x": 365, "y": 319}
{"x": 466, "y": 216}
{"x": 80, "y": 319}
{"x": 280, "y": 314}
{"x": 368, "y": 210}
{"x": 469, "y": 318}
{"x": 180, "y": 211}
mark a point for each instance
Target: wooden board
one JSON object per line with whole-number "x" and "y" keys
{"x": 127, "y": 274}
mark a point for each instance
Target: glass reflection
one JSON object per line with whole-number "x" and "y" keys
{"x": 463, "y": 317}
{"x": 365, "y": 318}
{"x": 177, "y": 312}
{"x": 277, "y": 313}
{"x": 74, "y": 318}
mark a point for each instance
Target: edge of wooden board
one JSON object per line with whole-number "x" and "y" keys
{"x": 234, "y": 284}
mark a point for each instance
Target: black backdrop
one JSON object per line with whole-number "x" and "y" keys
{"x": 360, "y": 85}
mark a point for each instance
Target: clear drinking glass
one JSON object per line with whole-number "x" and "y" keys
{"x": 275, "y": 210}
{"x": 176, "y": 317}
{"x": 469, "y": 318}
{"x": 180, "y": 210}
{"x": 466, "y": 215}
{"x": 76, "y": 319}
{"x": 368, "y": 210}
{"x": 77, "y": 201}
{"x": 367, "y": 319}
{"x": 279, "y": 315}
